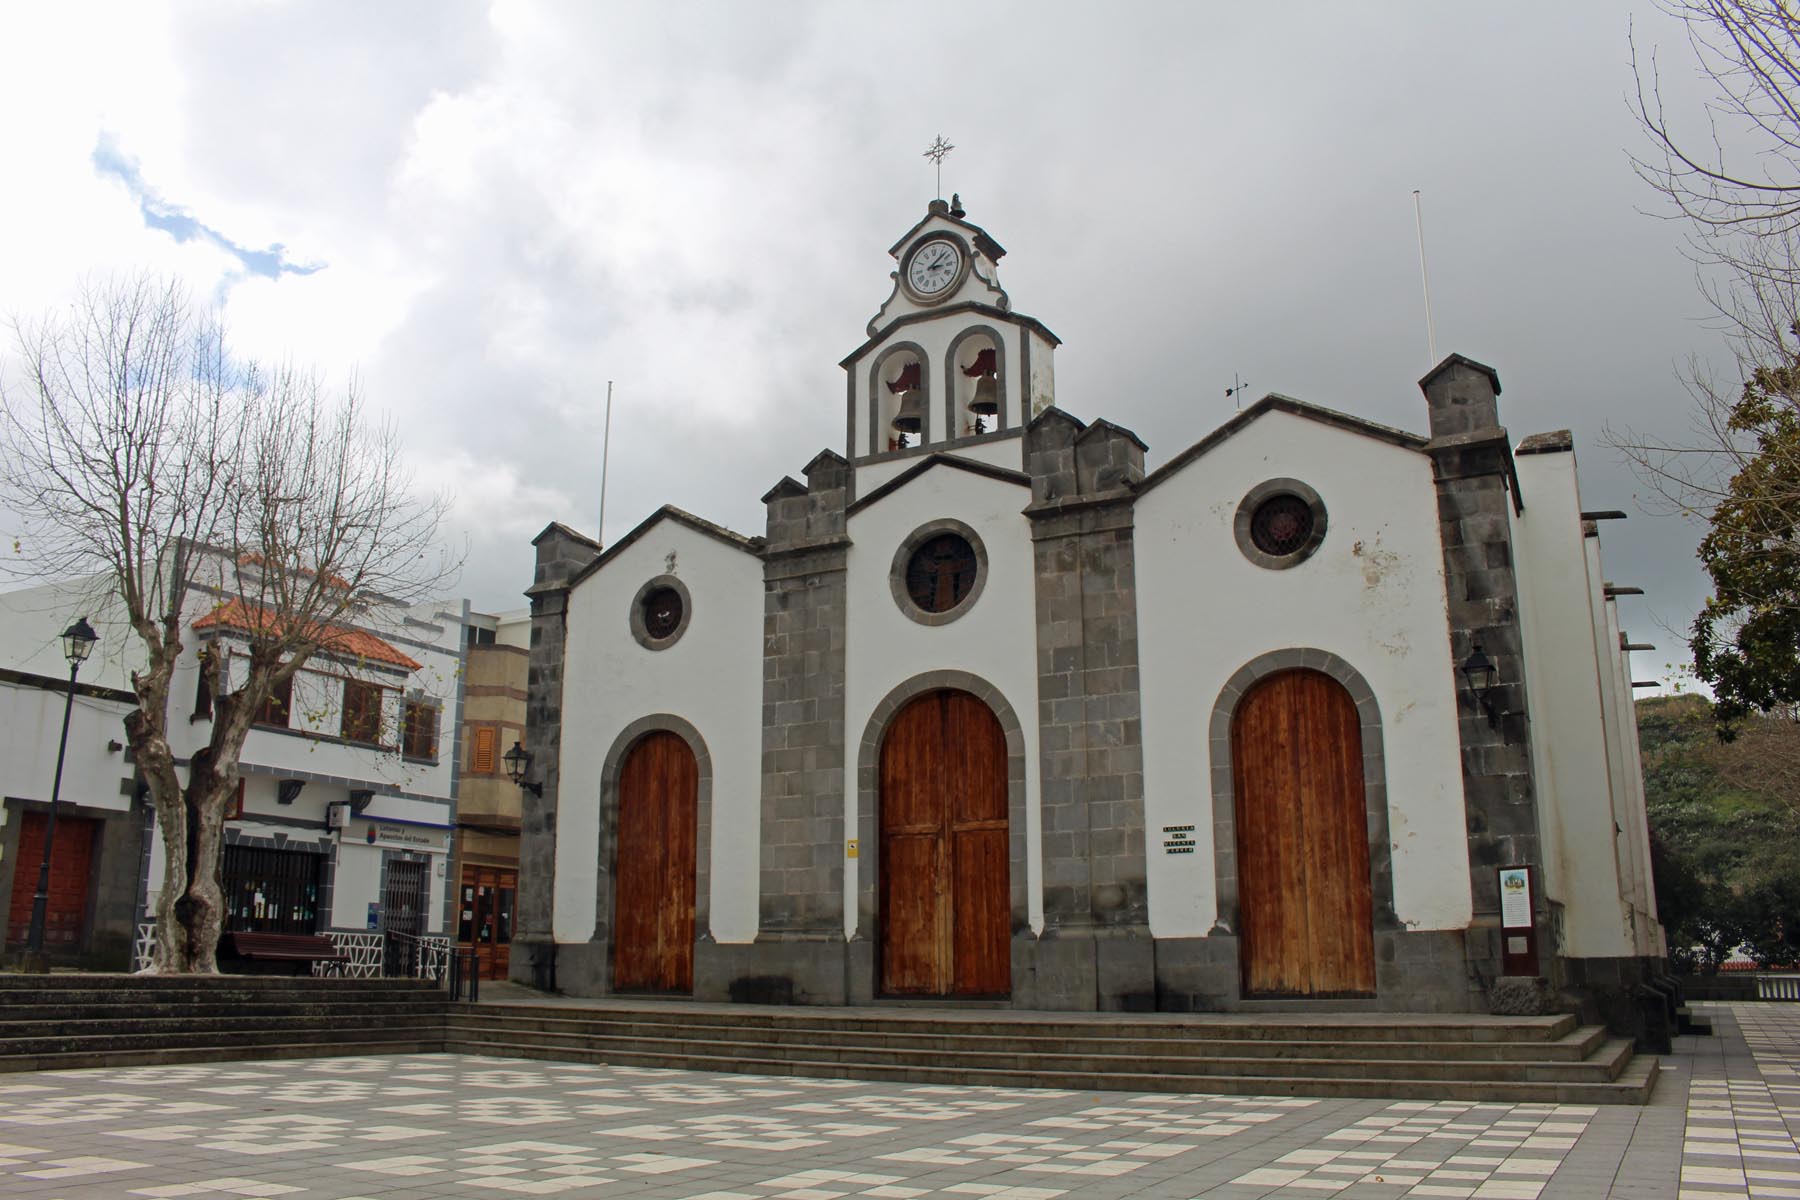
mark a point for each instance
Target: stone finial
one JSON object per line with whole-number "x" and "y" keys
{"x": 1460, "y": 396}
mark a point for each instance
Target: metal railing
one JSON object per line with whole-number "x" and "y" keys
{"x": 368, "y": 954}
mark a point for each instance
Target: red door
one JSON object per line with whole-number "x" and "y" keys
{"x": 653, "y": 899}
{"x": 1304, "y": 897}
{"x": 65, "y": 917}
{"x": 946, "y": 914}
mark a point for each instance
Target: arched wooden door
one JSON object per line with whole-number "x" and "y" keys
{"x": 946, "y": 912}
{"x": 653, "y": 894}
{"x": 1304, "y": 900}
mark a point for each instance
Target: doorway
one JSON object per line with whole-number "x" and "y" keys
{"x": 654, "y": 888}
{"x": 1305, "y": 901}
{"x": 485, "y": 917}
{"x": 71, "y": 870}
{"x": 946, "y": 914}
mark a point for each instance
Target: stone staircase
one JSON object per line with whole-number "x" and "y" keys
{"x": 62, "y": 1021}
{"x": 67, "y": 1021}
{"x": 1518, "y": 1059}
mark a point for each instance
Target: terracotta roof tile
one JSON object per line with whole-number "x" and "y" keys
{"x": 340, "y": 640}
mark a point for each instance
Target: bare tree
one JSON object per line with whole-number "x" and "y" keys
{"x": 139, "y": 450}
{"x": 1732, "y": 172}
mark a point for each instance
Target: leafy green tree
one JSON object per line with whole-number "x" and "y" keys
{"x": 1723, "y": 827}
{"x": 1746, "y": 641}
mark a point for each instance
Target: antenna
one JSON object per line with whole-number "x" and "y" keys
{"x": 1425, "y": 282}
{"x": 605, "y": 452}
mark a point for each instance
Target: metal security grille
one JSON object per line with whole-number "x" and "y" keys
{"x": 1281, "y": 525}
{"x": 271, "y": 891}
{"x": 940, "y": 573}
{"x": 404, "y": 903}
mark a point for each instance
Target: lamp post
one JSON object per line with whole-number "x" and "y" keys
{"x": 518, "y": 761}
{"x": 78, "y": 642}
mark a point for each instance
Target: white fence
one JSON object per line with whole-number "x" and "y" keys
{"x": 1778, "y": 987}
{"x": 414, "y": 957}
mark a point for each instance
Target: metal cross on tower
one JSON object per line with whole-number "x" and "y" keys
{"x": 939, "y": 148}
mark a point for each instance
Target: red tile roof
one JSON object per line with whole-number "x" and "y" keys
{"x": 253, "y": 559}
{"x": 340, "y": 640}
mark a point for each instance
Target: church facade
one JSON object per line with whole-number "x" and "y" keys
{"x": 1318, "y": 711}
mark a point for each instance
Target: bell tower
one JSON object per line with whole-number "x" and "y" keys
{"x": 948, "y": 365}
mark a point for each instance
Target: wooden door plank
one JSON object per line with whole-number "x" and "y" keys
{"x": 654, "y": 875}
{"x": 1270, "y": 841}
{"x": 910, "y": 866}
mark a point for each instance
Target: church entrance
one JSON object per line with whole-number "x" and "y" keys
{"x": 1304, "y": 899}
{"x": 946, "y": 915}
{"x": 653, "y": 896}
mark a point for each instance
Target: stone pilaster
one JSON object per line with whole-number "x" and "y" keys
{"x": 800, "y": 939}
{"x": 1095, "y": 951}
{"x": 561, "y": 555}
{"x": 1472, "y": 466}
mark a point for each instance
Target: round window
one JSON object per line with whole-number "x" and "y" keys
{"x": 941, "y": 573}
{"x": 662, "y": 613}
{"x": 1281, "y": 525}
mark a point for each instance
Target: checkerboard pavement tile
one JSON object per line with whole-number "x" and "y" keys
{"x": 1723, "y": 1124}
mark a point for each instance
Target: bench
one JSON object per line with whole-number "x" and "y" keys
{"x": 278, "y": 953}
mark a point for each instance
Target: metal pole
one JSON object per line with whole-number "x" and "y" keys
{"x": 36, "y": 962}
{"x": 1425, "y": 282}
{"x": 605, "y": 452}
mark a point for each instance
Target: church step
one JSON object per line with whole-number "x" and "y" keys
{"x": 221, "y": 1021}
{"x": 111, "y": 984}
{"x": 1631, "y": 1085}
{"x": 268, "y": 1015}
{"x": 1571, "y": 1047}
{"x": 1602, "y": 1066}
{"x": 116, "y": 1040}
{"x": 233, "y": 1051}
{"x": 1388, "y": 1027}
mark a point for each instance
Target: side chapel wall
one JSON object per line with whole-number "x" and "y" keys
{"x": 710, "y": 678}
{"x": 1372, "y": 594}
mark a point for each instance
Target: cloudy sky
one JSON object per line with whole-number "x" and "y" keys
{"x": 486, "y": 211}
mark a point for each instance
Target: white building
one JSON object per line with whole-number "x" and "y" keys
{"x": 348, "y": 780}
{"x": 1317, "y": 709}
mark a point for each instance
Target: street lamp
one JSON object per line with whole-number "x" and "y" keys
{"x": 78, "y": 642}
{"x": 518, "y": 761}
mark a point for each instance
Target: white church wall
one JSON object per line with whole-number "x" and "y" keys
{"x": 1372, "y": 594}
{"x": 1002, "y": 450}
{"x": 995, "y": 640}
{"x": 711, "y": 677}
{"x": 1573, "y": 754}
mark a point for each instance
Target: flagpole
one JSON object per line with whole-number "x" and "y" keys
{"x": 1425, "y": 282}
{"x": 605, "y": 452}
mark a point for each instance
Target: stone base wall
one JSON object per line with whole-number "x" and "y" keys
{"x": 1415, "y": 971}
{"x": 1635, "y": 997}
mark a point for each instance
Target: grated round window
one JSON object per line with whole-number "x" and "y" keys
{"x": 941, "y": 573}
{"x": 1281, "y": 525}
{"x": 662, "y": 613}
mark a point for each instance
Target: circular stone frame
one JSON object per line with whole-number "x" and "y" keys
{"x": 917, "y": 538}
{"x": 641, "y": 631}
{"x": 949, "y": 289}
{"x": 1254, "y": 499}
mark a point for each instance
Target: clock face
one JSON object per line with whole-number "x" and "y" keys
{"x": 934, "y": 267}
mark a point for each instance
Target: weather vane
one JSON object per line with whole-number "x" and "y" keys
{"x": 936, "y": 154}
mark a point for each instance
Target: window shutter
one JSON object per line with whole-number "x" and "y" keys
{"x": 482, "y": 761}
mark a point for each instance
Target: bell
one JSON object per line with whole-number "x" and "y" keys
{"x": 911, "y": 417}
{"x": 987, "y": 397}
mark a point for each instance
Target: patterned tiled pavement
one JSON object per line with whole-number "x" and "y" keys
{"x": 1722, "y": 1123}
